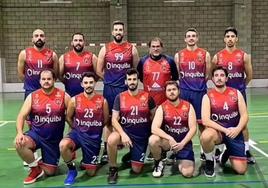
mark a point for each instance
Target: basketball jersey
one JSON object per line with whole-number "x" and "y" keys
{"x": 74, "y": 66}
{"x": 224, "y": 107}
{"x": 35, "y": 62}
{"x": 234, "y": 63}
{"x": 155, "y": 75}
{"x": 135, "y": 115}
{"x": 175, "y": 120}
{"x": 88, "y": 117}
{"x": 48, "y": 114}
{"x": 118, "y": 59}
{"x": 192, "y": 67}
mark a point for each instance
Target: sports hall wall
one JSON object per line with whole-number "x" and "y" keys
{"x": 144, "y": 19}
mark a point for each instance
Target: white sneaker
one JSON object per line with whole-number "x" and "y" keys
{"x": 158, "y": 169}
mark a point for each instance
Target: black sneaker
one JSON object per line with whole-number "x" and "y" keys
{"x": 250, "y": 158}
{"x": 113, "y": 175}
{"x": 126, "y": 159}
{"x": 224, "y": 157}
{"x": 217, "y": 155}
{"x": 158, "y": 169}
{"x": 104, "y": 159}
{"x": 202, "y": 157}
{"x": 209, "y": 168}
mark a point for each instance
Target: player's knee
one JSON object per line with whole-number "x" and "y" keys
{"x": 113, "y": 139}
{"x": 64, "y": 145}
{"x": 91, "y": 172}
{"x": 241, "y": 170}
{"x": 187, "y": 172}
{"x": 206, "y": 136}
{"x": 154, "y": 140}
{"x": 49, "y": 171}
{"x": 137, "y": 169}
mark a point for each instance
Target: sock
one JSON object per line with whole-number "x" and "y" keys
{"x": 71, "y": 165}
{"x": 33, "y": 164}
{"x": 209, "y": 156}
{"x": 105, "y": 148}
{"x": 246, "y": 146}
{"x": 201, "y": 149}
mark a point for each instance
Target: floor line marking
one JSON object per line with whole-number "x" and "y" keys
{"x": 253, "y": 143}
{"x": 2, "y": 124}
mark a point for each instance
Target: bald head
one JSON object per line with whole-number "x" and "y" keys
{"x": 39, "y": 38}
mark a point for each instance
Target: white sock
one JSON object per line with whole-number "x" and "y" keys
{"x": 246, "y": 146}
{"x": 209, "y": 156}
{"x": 220, "y": 147}
{"x": 201, "y": 149}
{"x": 33, "y": 164}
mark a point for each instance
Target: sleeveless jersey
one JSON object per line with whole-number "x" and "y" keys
{"x": 155, "y": 75}
{"x": 48, "y": 114}
{"x": 88, "y": 117}
{"x": 35, "y": 62}
{"x": 175, "y": 121}
{"x": 224, "y": 107}
{"x": 192, "y": 67}
{"x": 118, "y": 59}
{"x": 74, "y": 66}
{"x": 234, "y": 63}
{"x": 135, "y": 115}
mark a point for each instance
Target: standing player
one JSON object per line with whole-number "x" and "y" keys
{"x": 33, "y": 60}
{"x": 74, "y": 63}
{"x": 47, "y": 107}
{"x": 173, "y": 127}
{"x": 194, "y": 67}
{"x": 224, "y": 113}
{"x": 238, "y": 64}
{"x": 114, "y": 59}
{"x": 155, "y": 69}
{"x": 131, "y": 119}
{"x": 87, "y": 114}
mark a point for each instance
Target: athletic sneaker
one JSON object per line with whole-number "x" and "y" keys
{"x": 70, "y": 177}
{"x": 158, "y": 169}
{"x": 113, "y": 175}
{"x": 104, "y": 159}
{"x": 35, "y": 173}
{"x": 250, "y": 158}
{"x": 209, "y": 168}
{"x": 126, "y": 159}
{"x": 202, "y": 157}
{"x": 224, "y": 157}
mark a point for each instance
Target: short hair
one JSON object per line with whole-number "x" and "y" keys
{"x": 118, "y": 22}
{"x": 191, "y": 29}
{"x": 156, "y": 39}
{"x": 132, "y": 71}
{"x": 231, "y": 29}
{"x": 89, "y": 75}
{"x": 172, "y": 82}
{"x": 78, "y": 33}
{"x": 51, "y": 71}
{"x": 220, "y": 68}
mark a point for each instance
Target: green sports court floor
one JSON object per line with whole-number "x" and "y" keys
{"x": 12, "y": 171}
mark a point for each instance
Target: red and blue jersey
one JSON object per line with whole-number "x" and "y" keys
{"x": 48, "y": 114}
{"x": 234, "y": 63}
{"x": 118, "y": 59}
{"x": 175, "y": 120}
{"x": 155, "y": 73}
{"x": 88, "y": 117}
{"x": 224, "y": 107}
{"x": 74, "y": 66}
{"x": 135, "y": 114}
{"x": 192, "y": 67}
{"x": 35, "y": 62}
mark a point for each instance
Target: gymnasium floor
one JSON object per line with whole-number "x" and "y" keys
{"x": 12, "y": 171}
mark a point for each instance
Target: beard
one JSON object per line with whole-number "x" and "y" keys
{"x": 173, "y": 99}
{"x": 78, "y": 48}
{"x": 39, "y": 43}
{"x": 118, "y": 40}
{"x": 132, "y": 88}
{"x": 88, "y": 92}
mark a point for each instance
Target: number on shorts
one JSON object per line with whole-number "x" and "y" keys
{"x": 142, "y": 157}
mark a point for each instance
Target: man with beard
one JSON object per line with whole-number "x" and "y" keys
{"x": 224, "y": 114}
{"x": 155, "y": 69}
{"x": 87, "y": 114}
{"x": 114, "y": 59}
{"x": 173, "y": 128}
{"x": 47, "y": 107}
{"x": 238, "y": 64}
{"x": 131, "y": 119}
{"x": 33, "y": 60}
{"x": 75, "y": 62}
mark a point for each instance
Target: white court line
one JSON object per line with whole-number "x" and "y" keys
{"x": 252, "y": 144}
{"x": 4, "y": 123}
